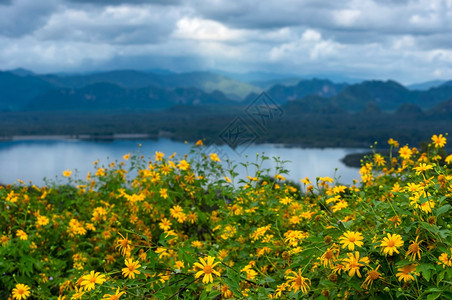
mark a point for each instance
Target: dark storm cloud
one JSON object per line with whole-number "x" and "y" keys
{"x": 24, "y": 16}
{"x": 121, "y": 2}
{"x": 358, "y": 37}
{"x": 274, "y": 14}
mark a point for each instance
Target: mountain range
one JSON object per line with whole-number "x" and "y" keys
{"x": 132, "y": 90}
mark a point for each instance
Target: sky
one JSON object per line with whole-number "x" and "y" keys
{"x": 408, "y": 41}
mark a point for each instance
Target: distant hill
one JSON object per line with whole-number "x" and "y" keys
{"x": 266, "y": 84}
{"x": 386, "y": 95}
{"x": 423, "y": 86}
{"x": 444, "y": 108}
{"x": 255, "y": 76}
{"x": 135, "y": 90}
{"x": 22, "y": 72}
{"x": 122, "y": 78}
{"x": 206, "y": 81}
{"x": 320, "y": 87}
{"x": 16, "y": 91}
{"x": 446, "y": 84}
{"x": 111, "y": 97}
{"x": 210, "y": 82}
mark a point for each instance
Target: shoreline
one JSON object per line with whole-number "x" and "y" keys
{"x": 83, "y": 137}
{"x": 164, "y": 135}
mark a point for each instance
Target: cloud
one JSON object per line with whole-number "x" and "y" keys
{"x": 121, "y": 2}
{"x": 113, "y": 24}
{"x": 309, "y": 47}
{"x": 22, "y": 17}
{"x": 199, "y": 29}
{"x": 408, "y": 40}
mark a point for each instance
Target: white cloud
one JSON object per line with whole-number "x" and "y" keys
{"x": 208, "y": 30}
{"x": 346, "y": 17}
{"x": 403, "y": 39}
{"x": 310, "y": 46}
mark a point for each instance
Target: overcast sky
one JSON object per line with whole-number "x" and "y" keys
{"x": 409, "y": 41}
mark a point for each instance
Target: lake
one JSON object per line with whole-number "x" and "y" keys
{"x": 32, "y": 160}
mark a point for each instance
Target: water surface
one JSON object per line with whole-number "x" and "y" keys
{"x": 34, "y": 160}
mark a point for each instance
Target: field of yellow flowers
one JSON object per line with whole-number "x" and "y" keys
{"x": 190, "y": 228}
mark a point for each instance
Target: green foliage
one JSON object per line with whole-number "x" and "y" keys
{"x": 186, "y": 227}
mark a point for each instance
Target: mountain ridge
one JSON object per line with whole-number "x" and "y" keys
{"x": 134, "y": 90}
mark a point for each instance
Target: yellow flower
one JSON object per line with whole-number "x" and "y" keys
{"x": 67, "y": 173}
{"x": 379, "y": 160}
{"x": 42, "y": 220}
{"x": 350, "y": 239}
{"x": 207, "y": 267}
{"x": 126, "y": 157}
{"x": 330, "y": 256}
{"x": 78, "y": 293}
{"x": 165, "y": 224}
{"x": 179, "y": 265}
{"x": 89, "y": 281}
{"x": 162, "y": 252}
{"x": 131, "y": 268}
{"x": 22, "y": 235}
{"x": 183, "y": 165}
{"x": 439, "y": 141}
{"x": 286, "y": 200}
{"x": 405, "y": 152}
{"x": 422, "y": 168}
{"x": 199, "y": 143}
{"x": 100, "y": 172}
{"x": 352, "y": 263}
{"x": 21, "y": 291}
{"x": 214, "y": 157}
{"x": 176, "y": 211}
{"x": 405, "y": 272}
{"x": 448, "y": 159}
{"x": 163, "y": 193}
{"x": 372, "y": 275}
{"x": 393, "y": 143}
{"x": 113, "y": 297}
{"x": 124, "y": 245}
{"x": 445, "y": 260}
{"x": 4, "y": 239}
{"x": 158, "y": 155}
{"x": 197, "y": 244}
{"x": 192, "y": 217}
{"x": 298, "y": 282}
{"x": 414, "y": 249}
{"x": 390, "y": 244}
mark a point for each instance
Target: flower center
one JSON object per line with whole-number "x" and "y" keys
{"x": 207, "y": 269}
{"x": 414, "y": 247}
{"x": 329, "y": 254}
{"x": 92, "y": 280}
{"x": 131, "y": 268}
{"x": 298, "y": 281}
{"x": 373, "y": 275}
{"x": 21, "y": 291}
{"x": 391, "y": 243}
{"x": 351, "y": 239}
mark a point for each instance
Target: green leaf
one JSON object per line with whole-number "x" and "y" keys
{"x": 433, "y": 296}
{"x": 232, "y": 280}
{"x": 426, "y": 270}
{"x": 443, "y": 209}
{"x": 441, "y": 276}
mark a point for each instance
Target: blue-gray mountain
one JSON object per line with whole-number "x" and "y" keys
{"x": 131, "y": 90}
